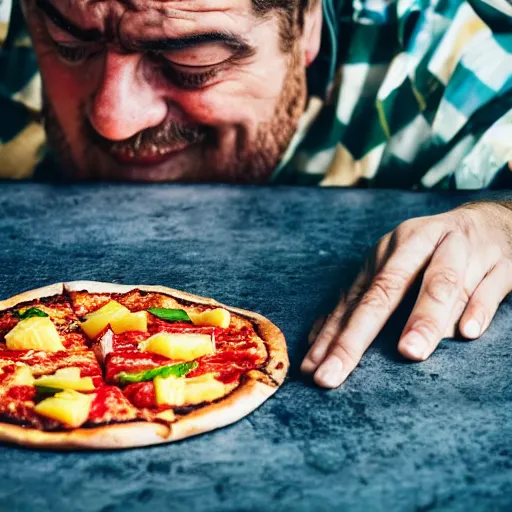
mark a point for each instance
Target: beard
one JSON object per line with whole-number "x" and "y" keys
{"x": 215, "y": 155}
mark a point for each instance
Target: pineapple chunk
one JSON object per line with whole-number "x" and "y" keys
{"x": 120, "y": 319}
{"x": 178, "y": 392}
{"x": 68, "y": 407}
{"x": 98, "y": 320}
{"x": 130, "y": 322}
{"x": 214, "y": 318}
{"x": 203, "y": 389}
{"x": 23, "y": 377}
{"x": 66, "y": 378}
{"x": 37, "y": 333}
{"x": 182, "y": 347}
{"x": 169, "y": 391}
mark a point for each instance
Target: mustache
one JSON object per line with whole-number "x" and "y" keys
{"x": 163, "y": 138}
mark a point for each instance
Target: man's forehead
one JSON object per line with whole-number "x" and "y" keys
{"x": 151, "y": 14}
{"x": 184, "y": 8}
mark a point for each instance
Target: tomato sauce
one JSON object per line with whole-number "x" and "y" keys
{"x": 74, "y": 341}
{"x": 99, "y": 405}
{"x": 141, "y": 394}
{"x": 22, "y": 393}
{"x": 109, "y": 405}
{"x": 7, "y": 322}
{"x": 128, "y": 340}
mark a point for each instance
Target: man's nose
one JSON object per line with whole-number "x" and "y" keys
{"x": 125, "y": 103}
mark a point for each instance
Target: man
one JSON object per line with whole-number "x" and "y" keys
{"x": 398, "y": 93}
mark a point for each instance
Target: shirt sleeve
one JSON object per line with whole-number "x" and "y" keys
{"x": 22, "y": 139}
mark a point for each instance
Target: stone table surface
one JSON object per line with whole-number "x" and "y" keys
{"x": 396, "y": 437}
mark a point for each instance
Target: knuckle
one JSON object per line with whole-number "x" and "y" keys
{"x": 428, "y": 328}
{"x": 406, "y": 230}
{"x": 417, "y": 243}
{"x": 434, "y": 230}
{"x": 458, "y": 237}
{"x": 426, "y": 234}
{"x": 378, "y": 297}
{"x": 466, "y": 221}
{"x": 442, "y": 285}
{"x": 329, "y": 331}
{"x": 385, "y": 289}
{"x": 349, "y": 357}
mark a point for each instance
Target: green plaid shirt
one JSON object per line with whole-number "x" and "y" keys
{"x": 405, "y": 93}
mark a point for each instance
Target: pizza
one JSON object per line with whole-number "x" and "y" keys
{"x": 88, "y": 365}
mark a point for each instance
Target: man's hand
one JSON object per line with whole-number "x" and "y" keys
{"x": 467, "y": 258}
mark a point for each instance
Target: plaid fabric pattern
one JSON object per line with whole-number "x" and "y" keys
{"x": 21, "y": 133}
{"x": 405, "y": 93}
{"x": 421, "y": 97}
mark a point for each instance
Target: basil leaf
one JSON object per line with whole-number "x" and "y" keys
{"x": 29, "y": 313}
{"x": 43, "y": 392}
{"x": 47, "y": 389}
{"x": 175, "y": 370}
{"x": 170, "y": 315}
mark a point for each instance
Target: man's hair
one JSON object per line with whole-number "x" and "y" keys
{"x": 291, "y": 14}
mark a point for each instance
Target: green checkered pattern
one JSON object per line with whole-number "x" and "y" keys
{"x": 405, "y": 93}
{"x": 420, "y": 97}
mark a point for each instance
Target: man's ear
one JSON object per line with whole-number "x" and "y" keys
{"x": 312, "y": 32}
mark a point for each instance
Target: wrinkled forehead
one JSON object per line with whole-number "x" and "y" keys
{"x": 155, "y": 18}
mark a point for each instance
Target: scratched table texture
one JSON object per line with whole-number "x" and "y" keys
{"x": 397, "y": 436}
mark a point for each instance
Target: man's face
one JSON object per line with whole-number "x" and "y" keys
{"x": 167, "y": 90}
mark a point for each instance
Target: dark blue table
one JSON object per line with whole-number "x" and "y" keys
{"x": 396, "y": 437}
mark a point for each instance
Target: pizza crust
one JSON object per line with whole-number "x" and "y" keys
{"x": 28, "y": 296}
{"x": 128, "y": 435}
{"x": 254, "y": 390}
{"x": 138, "y": 434}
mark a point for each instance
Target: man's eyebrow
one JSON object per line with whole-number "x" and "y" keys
{"x": 231, "y": 41}
{"x": 58, "y": 19}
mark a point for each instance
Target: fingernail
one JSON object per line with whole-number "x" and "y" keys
{"x": 308, "y": 366}
{"x": 415, "y": 346}
{"x": 330, "y": 373}
{"x": 312, "y": 360}
{"x": 472, "y": 329}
